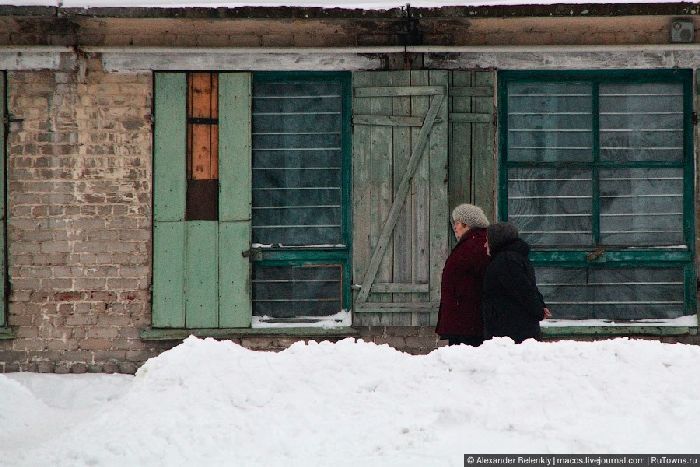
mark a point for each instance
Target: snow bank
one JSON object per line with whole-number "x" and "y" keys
{"x": 353, "y": 403}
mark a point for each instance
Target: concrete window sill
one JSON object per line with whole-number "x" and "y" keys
{"x": 573, "y": 331}
{"x": 151, "y": 334}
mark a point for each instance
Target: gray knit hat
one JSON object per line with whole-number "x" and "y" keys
{"x": 500, "y": 233}
{"x": 470, "y": 215}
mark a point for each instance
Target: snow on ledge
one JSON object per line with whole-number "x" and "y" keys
{"x": 339, "y": 320}
{"x": 691, "y": 320}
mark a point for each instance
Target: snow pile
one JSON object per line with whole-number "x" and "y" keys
{"x": 353, "y": 403}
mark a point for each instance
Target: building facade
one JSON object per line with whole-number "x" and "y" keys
{"x": 274, "y": 174}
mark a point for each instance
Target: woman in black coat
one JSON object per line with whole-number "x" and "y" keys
{"x": 512, "y": 306}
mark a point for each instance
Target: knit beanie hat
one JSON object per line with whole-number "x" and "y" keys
{"x": 500, "y": 233}
{"x": 470, "y": 215}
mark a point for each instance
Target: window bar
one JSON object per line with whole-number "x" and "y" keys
{"x": 292, "y": 226}
{"x": 550, "y": 95}
{"x": 333, "y": 96}
{"x": 658, "y": 195}
{"x": 595, "y": 125}
{"x": 551, "y": 215}
{"x": 551, "y": 197}
{"x": 642, "y": 214}
{"x": 596, "y": 284}
{"x": 552, "y": 130}
{"x": 319, "y": 206}
{"x": 549, "y": 113}
{"x": 670, "y": 302}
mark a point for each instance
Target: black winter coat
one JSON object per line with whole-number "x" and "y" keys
{"x": 511, "y": 304}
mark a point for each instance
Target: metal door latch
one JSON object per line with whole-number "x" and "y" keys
{"x": 595, "y": 254}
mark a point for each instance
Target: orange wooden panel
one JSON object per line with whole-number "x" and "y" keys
{"x": 214, "y": 95}
{"x": 201, "y": 152}
{"x": 201, "y": 95}
{"x": 203, "y": 138}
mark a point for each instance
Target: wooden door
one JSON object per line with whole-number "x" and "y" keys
{"x": 400, "y": 210}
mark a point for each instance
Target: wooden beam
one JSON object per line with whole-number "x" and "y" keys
{"x": 386, "y": 120}
{"x": 400, "y": 288}
{"x": 399, "y": 91}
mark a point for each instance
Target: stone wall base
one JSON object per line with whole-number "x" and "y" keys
{"x": 412, "y": 340}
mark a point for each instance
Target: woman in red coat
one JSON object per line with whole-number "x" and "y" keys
{"x": 459, "y": 318}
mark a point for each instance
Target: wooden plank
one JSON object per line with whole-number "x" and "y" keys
{"x": 203, "y": 95}
{"x": 471, "y": 117}
{"x": 386, "y": 120}
{"x": 397, "y": 91}
{"x": 420, "y": 198}
{"x": 483, "y": 156}
{"x": 467, "y": 91}
{"x": 361, "y": 186}
{"x": 382, "y": 189}
{"x": 201, "y": 274}
{"x": 439, "y": 210}
{"x": 399, "y": 288}
{"x": 235, "y": 199}
{"x": 235, "y": 309}
{"x": 366, "y": 319}
{"x": 169, "y": 151}
{"x": 423, "y": 318}
{"x": 202, "y": 102}
{"x": 168, "y": 275}
{"x": 460, "y": 148}
{"x": 404, "y": 186}
{"x": 403, "y": 231}
{"x": 203, "y": 157}
{"x": 235, "y": 159}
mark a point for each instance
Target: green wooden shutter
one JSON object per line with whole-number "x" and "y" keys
{"x": 3, "y": 288}
{"x": 235, "y": 195}
{"x": 169, "y": 190}
{"x": 472, "y": 163}
{"x": 400, "y": 211}
{"x": 200, "y": 276}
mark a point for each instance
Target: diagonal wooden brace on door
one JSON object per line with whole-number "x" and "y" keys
{"x": 436, "y": 102}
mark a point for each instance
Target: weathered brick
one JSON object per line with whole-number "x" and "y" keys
{"x": 78, "y": 368}
{"x": 95, "y": 344}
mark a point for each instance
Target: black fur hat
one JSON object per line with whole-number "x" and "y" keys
{"x": 501, "y": 233}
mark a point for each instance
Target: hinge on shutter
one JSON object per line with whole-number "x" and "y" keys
{"x": 694, "y": 118}
{"x": 7, "y": 119}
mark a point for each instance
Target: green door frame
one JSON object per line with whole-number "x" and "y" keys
{"x": 302, "y": 256}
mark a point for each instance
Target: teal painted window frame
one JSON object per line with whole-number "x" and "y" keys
{"x": 300, "y": 256}
{"x": 618, "y": 257}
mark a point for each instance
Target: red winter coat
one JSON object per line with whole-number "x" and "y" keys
{"x": 462, "y": 278}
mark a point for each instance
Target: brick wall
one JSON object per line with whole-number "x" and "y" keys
{"x": 79, "y": 210}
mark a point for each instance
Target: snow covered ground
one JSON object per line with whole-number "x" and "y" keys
{"x": 357, "y": 404}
